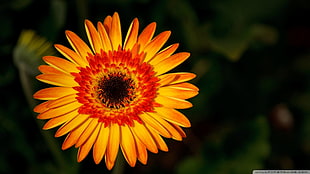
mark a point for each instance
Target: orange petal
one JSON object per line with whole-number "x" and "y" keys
{"x": 113, "y": 145}
{"x": 146, "y": 35}
{"x": 171, "y": 62}
{"x": 131, "y": 37}
{"x": 78, "y": 45}
{"x": 42, "y": 107}
{"x": 53, "y": 93}
{"x": 58, "y": 80}
{"x": 155, "y": 45}
{"x": 74, "y": 123}
{"x": 143, "y": 134}
{"x": 173, "y": 78}
{"x": 107, "y": 23}
{"x": 55, "y": 112}
{"x": 74, "y": 135}
{"x": 46, "y": 69}
{"x": 158, "y": 140}
{"x": 54, "y": 122}
{"x": 184, "y": 86}
{"x": 179, "y": 129}
{"x": 71, "y": 55}
{"x": 173, "y": 116}
{"x": 165, "y": 53}
{"x": 148, "y": 120}
{"x": 174, "y": 133}
{"x": 93, "y": 36}
{"x": 106, "y": 42}
{"x": 60, "y": 64}
{"x": 177, "y": 93}
{"x": 87, "y": 132}
{"x": 63, "y": 101}
{"x": 115, "y": 33}
{"x": 85, "y": 148}
{"x": 128, "y": 146}
{"x": 101, "y": 143}
{"x": 141, "y": 151}
{"x": 171, "y": 102}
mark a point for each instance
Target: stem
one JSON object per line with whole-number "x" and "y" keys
{"x": 28, "y": 88}
{"x": 119, "y": 164}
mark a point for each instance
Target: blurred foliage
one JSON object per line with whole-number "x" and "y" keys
{"x": 252, "y": 59}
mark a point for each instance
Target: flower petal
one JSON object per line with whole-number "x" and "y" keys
{"x": 179, "y": 129}
{"x": 62, "y": 101}
{"x": 177, "y": 93}
{"x": 71, "y": 55}
{"x": 100, "y": 145}
{"x": 165, "y": 53}
{"x": 60, "y": 64}
{"x": 143, "y": 134}
{"x": 46, "y": 69}
{"x": 107, "y": 23}
{"x": 85, "y": 148}
{"x": 78, "y": 44}
{"x": 155, "y": 45}
{"x": 128, "y": 145}
{"x": 173, "y": 116}
{"x": 158, "y": 139}
{"x": 174, "y": 133}
{"x": 171, "y": 102}
{"x": 146, "y": 35}
{"x": 106, "y": 42}
{"x": 173, "y": 78}
{"x": 115, "y": 33}
{"x": 171, "y": 62}
{"x": 42, "y": 107}
{"x": 184, "y": 86}
{"x": 93, "y": 36}
{"x": 53, "y": 93}
{"x": 148, "y": 120}
{"x": 87, "y": 132}
{"x": 55, "y": 112}
{"x": 113, "y": 145}
{"x": 54, "y": 122}
{"x": 74, "y": 123}
{"x": 132, "y": 34}
{"x": 141, "y": 151}
{"x": 58, "y": 80}
{"x": 74, "y": 135}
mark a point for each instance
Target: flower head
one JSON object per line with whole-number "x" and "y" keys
{"x": 116, "y": 94}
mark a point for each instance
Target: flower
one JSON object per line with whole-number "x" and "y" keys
{"x": 29, "y": 50}
{"x": 116, "y": 94}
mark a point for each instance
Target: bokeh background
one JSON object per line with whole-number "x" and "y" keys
{"x": 251, "y": 57}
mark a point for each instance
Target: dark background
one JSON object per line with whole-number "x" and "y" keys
{"x": 252, "y": 60}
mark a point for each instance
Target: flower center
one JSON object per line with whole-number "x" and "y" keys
{"x": 116, "y": 87}
{"x": 115, "y": 90}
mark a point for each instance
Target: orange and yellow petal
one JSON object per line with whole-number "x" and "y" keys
{"x": 101, "y": 143}
{"x": 78, "y": 45}
{"x": 53, "y": 93}
{"x": 170, "y": 63}
{"x": 128, "y": 145}
{"x": 146, "y": 35}
{"x": 132, "y": 35}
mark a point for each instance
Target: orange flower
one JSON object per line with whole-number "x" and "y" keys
{"x": 116, "y": 94}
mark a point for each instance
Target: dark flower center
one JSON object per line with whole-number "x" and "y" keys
{"x": 115, "y": 90}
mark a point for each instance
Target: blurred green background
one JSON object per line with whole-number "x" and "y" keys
{"x": 252, "y": 58}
